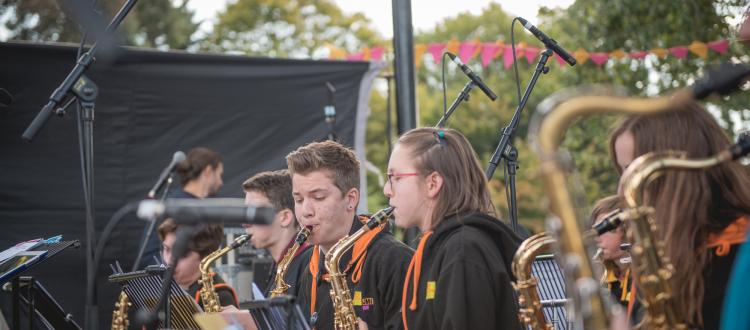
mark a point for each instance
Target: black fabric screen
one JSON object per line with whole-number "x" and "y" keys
{"x": 253, "y": 111}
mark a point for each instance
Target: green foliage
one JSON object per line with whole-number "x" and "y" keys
{"x": 288, "y": 28}
{"x": 155, "y": 23}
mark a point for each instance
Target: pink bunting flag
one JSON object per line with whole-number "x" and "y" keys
{"x": 467, "y": 50}
{"x": 719, "y": 46}
{"x": 560, "y": 60}
{"x": 356, "y": 57}
{"x": 679, "y": 51}
{"x": 489, "y": 52}
{"x": 599, "y": 58}
{"x": 638, "y": 55}
{"x": 507, "y": 57}
{"x": 531, "y": 53}
{"x": 376, "y": 54}
{"x": 436, "y": 50}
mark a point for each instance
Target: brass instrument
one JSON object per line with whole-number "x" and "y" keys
{"x": 591, "y": 308}
{"x": 208, "y": 294}
{"x": 344, "y": 315}
{"x": 120, "y": 314}
{"x": 282, "y": 287}
{"x": 652, "y": 265}
{"x": 529, "y": 304}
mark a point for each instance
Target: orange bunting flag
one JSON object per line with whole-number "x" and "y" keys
{"x": 436, "y": 50}
{"x": 419, "y": 50}
{"x": 618, "y": 54}
{"x": 453, "y": 46}
{"x": 660, "y": 52}
{"x": 366, "y": 54}
{"x": 335, "y": 52}
{"x": 581, "y": 55}
{"x": 599, "y": 58}
{"x": 699, "y": 48}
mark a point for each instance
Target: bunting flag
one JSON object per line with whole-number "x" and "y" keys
{"x": 487, "y": 52}
{"x": 436, "y": 50}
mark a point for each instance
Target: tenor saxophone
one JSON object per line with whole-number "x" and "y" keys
{"x": 343, "y": 310}
{"x": 120, "y": 314}
{"x": 208, "y": 293}
{"x": 652, "y": 266}
{"x": 281, "y": 286}
{"x": 529, "y": 304}
{"x": 591, "y": 308}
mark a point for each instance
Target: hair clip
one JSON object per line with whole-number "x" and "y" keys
{"x": 440, "y": 136}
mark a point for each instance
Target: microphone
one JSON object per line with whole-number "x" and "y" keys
{"x": 178, "y": 157}
{"x": 548, "y": 42}
{"x": 473, "y": 76}
{"x": 230, "y": 211}
{"x": 611, "y": 221}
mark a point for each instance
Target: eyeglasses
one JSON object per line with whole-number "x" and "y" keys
{"x": 398, "y": 175}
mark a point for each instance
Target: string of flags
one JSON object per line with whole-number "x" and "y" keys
{"x": 487, "y": 52}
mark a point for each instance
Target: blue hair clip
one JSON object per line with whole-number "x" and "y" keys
{"x": 440, "y": 135}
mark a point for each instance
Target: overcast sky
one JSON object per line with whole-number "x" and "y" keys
{"x": 425, "y": 13}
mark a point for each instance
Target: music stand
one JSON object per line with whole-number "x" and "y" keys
{"x": 277, "y": 313}
{"x": 51, "y": 250}
{"x": 143, "y": 288}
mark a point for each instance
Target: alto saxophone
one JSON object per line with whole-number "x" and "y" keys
{"x": 208, "y": 294}
{"x": 120, "y": 314}
{"x": 282, "y": 287}
{"x": 343, "y": 310}
{"x": 529, "y": 304}
{"x": 652, "y": 266}
{"x": 591, "y": 307}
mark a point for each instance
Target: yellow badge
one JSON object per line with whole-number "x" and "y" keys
{"x": 357, "y": 301}
{"x": 430, "y": 290}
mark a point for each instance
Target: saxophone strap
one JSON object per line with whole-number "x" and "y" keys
{"x": 734, "y": 233}
{"x": 359, "y": 254}
{"x": 416, "y": 266}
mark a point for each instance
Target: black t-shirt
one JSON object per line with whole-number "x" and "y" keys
{"x": 226, "y": 294}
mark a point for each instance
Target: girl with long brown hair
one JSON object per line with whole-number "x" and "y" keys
{"x": 459, "y": 277}
{"x": 701, "y": 215}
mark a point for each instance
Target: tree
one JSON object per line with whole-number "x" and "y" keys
{"x": 288, "y": 28}
{"x": 155, "y": 23}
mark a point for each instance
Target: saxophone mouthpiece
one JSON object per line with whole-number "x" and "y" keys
{"x": 380, "y": 216}
{"x": 239, "y": 241}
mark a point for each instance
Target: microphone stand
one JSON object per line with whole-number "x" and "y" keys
{"x": 506, "y": 150}
{"x": 151, "y": 225}
{"x": 85, "y": 91}
{"x": 462, "y": 96}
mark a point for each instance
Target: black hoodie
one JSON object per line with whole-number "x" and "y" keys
{"x": 465, "y": 277}
{"x": 376, "y": 296}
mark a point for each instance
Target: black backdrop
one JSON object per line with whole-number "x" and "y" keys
{"x": 253, "y": 111}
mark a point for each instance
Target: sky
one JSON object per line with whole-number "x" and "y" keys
{"x": 425, "y": 13}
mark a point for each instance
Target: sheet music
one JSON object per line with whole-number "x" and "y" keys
{"x": 20, "y": 247}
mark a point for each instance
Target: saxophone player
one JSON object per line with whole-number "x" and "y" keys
{"x": 325, "y": 187}
{"x": 617, "y": 275}
{"x": 701, "y": 215}
{"x": 460, "y": 275}
{"x": 206, "y": 238}
{"x": 274, "y": 188}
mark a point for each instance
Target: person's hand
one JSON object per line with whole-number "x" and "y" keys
{"x": 362, "y": 325}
